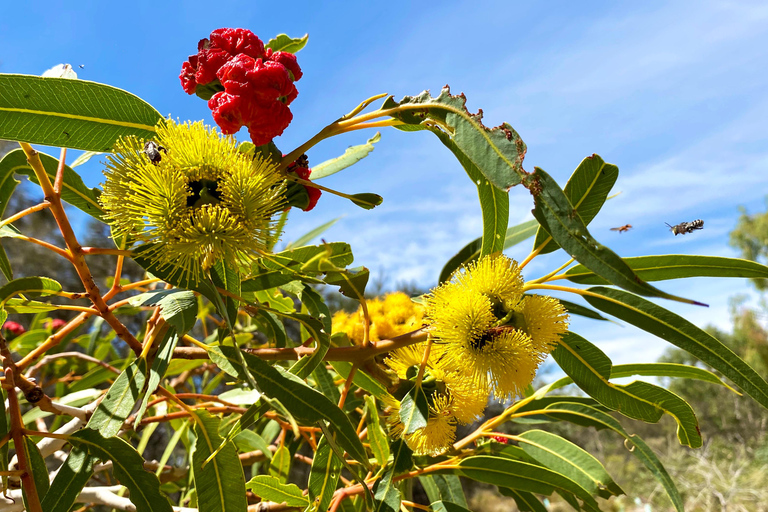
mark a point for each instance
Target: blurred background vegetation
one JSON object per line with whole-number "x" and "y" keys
{"x": 729, "y": 473}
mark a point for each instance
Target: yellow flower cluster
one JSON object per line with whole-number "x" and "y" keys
{"x": 488, "y": 331}
{"x": 190, "y": 198}
{"x": 452, "y": 399}
{"x": 392, "y": 316}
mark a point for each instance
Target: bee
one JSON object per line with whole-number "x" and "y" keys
{"x": 152, "y": 150}
{"x": 621, "y": 229}
{"x": 686, "y": 227}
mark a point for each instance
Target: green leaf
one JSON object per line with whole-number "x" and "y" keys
{"x": 38, "y": 467}
{"x": 73, "y": 190}
{"x": 497, "y": 153}
{"x": 128, "y": 468}
{"x": 271, "y": 489}
{"x": 31, "y": 286}
{"x": 525, "y": 501}
{"x": 351, "y": 156}
{"x": 558, "y": 217}
{"x": 362, "y": 380}
{"x": 521, "y": 475}
{"x": 312, "y": 234}
{"x": 249, "y": 441}
{"x": 351, "y": 282}
{"x": 677, "y": 266}
{"x": 414, "y": 410}
{"x": 177, "y": 307}
{"x": 280, "y": 466}
{"x": 578, "y": 309}
{"x": 471, "y": 251}
{"x": 386, "y": 496}
{"x": 681, "y": 333}
{"x": 443, "y": 488}
{"x": 70, "y": 113}
{"x": 87, "y": 155}
{"x": 590, "y": 369}
{"x": 587, "y": 190}
{"x": 324, "y": 475}
{"x": 589, "y": 416}
{"x": 377, "y": 436}
{"x": 284, "y": 43}
{"x": 681, "y": 371}
{"x": 125, "y": 392}
{"x": 366, "y": 200}
{"x": 447, "y": 506}
{"x": 158, "y": 368}
{"x": 305, "y": 403}
{"x": 220, "y": 483}
{"x": 21, "y": 306}
{"x": 564, "y": 457}
{"x": 69, "y": 481}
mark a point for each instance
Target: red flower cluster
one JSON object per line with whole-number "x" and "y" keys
{"x": 302, "y": 170}
{"x": 257, "y": 83}
{"x": 500, "y": 439}
{"x": 14, "y": 328}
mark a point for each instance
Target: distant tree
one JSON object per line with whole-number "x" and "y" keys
{"x": 751, "y": 237}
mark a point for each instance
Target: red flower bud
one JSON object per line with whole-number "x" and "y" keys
{"x": 14, "y": 328}
{"x": 57, "y": 324}
{"x": 500, "y": 439}
{"x": 302, "y": 170}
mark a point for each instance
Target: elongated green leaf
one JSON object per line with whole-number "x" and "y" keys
{"x": 220, "y": 483}
{"x": 7, "y": 186}
{"x": 38, "y": 467}
{"x": 447, "y": 506}
{"x": 587, "y": 190}
{"x": 351, "y": 281}
{"x": 128, "y": 467}
{"x": 590, "y": 369}
{"x": 386, "y": 496}
{"x": 564, "y": 457}
{"x": 69, "y": 481}
{"x": 177, "y": 307}
{"x": 414, "y": 410}
{"x": 362, "y": 380}
{"x": 85, "y": 157}
{"x": 70, "y": 113}
{"x": 555, "y": 213}
{"x": 73, "y": 190}
{"x": 20, "y": 306}
{"x": 270, "y": 488}
{"x": 589, "y": 416}
{"x": 285, "y": 43}
{"x": 324, "y": 475}
{"x": 280, "y": 465}
{"x": 677, "y": 266}
{"x": 681, "y": 371}
{"x": 248, "y": 441}
{"x": 681, "y": 333}
{"x": 498, "y": 153}
{"x": 443, "y": 488}
{"x": 158, "y": 368}
{"x": 377, "y": 437}
{"x": 305, "y": 403}
{"x": 351, "y": 156}
{"x": 471, "y": 251}
{"x": 525, "y": 501}
{"x": 312, "y": 234}
{"x": 31, "y": 286}
{"x": 122, "y": 397}
{"x": 578, "y": 309}
{"x": 524, "y": 476}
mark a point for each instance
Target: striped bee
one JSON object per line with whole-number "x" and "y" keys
{"x": 686, "y": 227}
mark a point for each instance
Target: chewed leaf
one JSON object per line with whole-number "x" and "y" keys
{"x": 497, "y": 152}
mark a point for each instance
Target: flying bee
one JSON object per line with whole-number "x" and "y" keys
{"x": 152, "y": 150}
{"x": 686, "y": 227}
{"x": 621, "y": 229}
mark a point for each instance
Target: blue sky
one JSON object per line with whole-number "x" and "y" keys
{"x": 674, "y": 93}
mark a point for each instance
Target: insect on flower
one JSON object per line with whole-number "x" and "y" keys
{"x": 621, "y": 229}
{"x": 152, "y": 150}
{"x": 686, "y": 227}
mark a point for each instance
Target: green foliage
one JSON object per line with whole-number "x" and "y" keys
{"x": 237, "y": 383}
